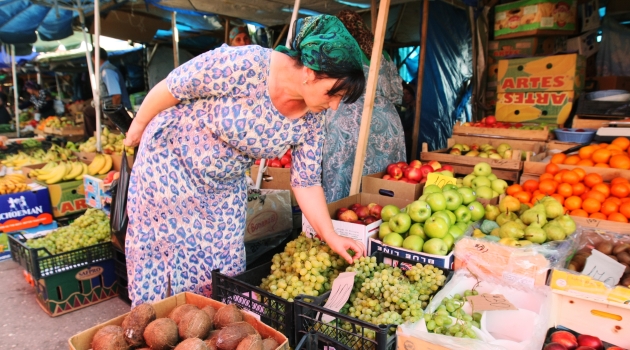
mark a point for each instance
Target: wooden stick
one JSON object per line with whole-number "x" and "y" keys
{"x": 373, "y": 12}
{"x": 370, "y": 94}
{"x": 227, "y": 31}
{"x": 284, "y": 30}
{"x": 423, "y": 52}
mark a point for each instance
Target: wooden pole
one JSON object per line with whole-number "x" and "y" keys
{"x": 97, "y": 73}
{"x": 423, "y": 52}
{"x": 16, "y": 97}
{"x": 284, "y": 30}
{"x": 374, "y": 13}
{"x": 175, "y": 39}
{"x": 370, "y": 95}
{"x": 227, "y": 31}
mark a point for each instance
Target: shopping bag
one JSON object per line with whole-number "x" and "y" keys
{"x": 120, "y": 117}
{"x": 118, "y": 217}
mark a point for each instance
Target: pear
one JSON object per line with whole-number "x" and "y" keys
{"x": 511, "y": 242}
{"x": 521, "y": 224}
{"x": 535, "y": 214}
{"x": 504, "y": 218}
{"x": 535, "y": 233}
{"x": 553, "y": 208}
{"x": 478, "y": 234}
{"x": 567, "y": 224}
{"x": 509, "y": 204}
{"x": 523, "y": 243}
{"x": 496, "y": 232}
{"x": 554, "y": 232}
{"x": 512, "y": 230}
{"x": 524, "y": 208}
{"x": 491, "y": 212}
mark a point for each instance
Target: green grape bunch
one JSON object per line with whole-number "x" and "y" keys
{"x": 441, "y": 321}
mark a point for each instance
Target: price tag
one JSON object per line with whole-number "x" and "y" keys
{"x": 489, "y": 302}
{"x": 601, "y": 267}
{"x": 341, "y": 288}
{"x": 439, "y": 180}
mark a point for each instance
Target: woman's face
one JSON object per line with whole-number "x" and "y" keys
{"x": 241, "y": 39}
{"x": 31, "y": 91}
{"x": 408, "y": 97}
{"x": 316, "y": 95}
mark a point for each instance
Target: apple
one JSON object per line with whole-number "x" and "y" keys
{"x": 463, "y": 214}
{"x": 435, "y": 246}
{"x": 444, "y": 215}
{"x": 585, "y": 348}
{"x": 354, "y": 207}
{"x": 348, "y": 216}
{"x": 435, "y": 164}
{"x": 468, "y": 195}
{"x": 402, "y": 164}
{"x": 449, "y": 240}
{"x": 590, "y": 341}
{"x": 463, "y": 225}
{"x": 466, "y": 148}
{"x": 400, "y": 223}
{"x": 375, "y": 210}
{"x": 384, "y": 230}
{"x": 476, "y": 210}
{"x": 436, "y": 201}
{"x": 447, "y": 167}
{"x": 490, "y": 120}
{"x": 480, "y": 181}
{"x": 275, "y": 163}
{"x": 564, "y": 338}
{"x": 431, "y": 189}
{"x": 389, "y": 211}
{"x": 419, "y": 211}
{"x": 484, "y": 192}
{"x": 390, "y": 167}
{"x": 393, "y": 239}
{"x": 286, "y": 159}
{"x": 468, "y": 180}
{"x": 449, "y": 187}
{"x": 339, "y": 212}
{"x": 415, "y": 164}
{"x": 491, "y": 177}
{"x": 458, "y": 146}
{"x": 362, "y": 212}
{"x": 417, "y": 230}
{"x": 555, "y": 346}
{"x": 499, "y": 185}
{"x": 455, "y": 232}
{"x": 436, "y": 227}
{"x": 413, "y": 173}
{"x": 414, "y": 243}
{"x": 370, "y": 219}
{"x": 453, "y": 199}
{"x": 455, "y": 151}
{"x": 387, "y": 177}
{"x": 395, "y": 172}
{"x": 426, "y": 170}
{"x": 482, "y": 169}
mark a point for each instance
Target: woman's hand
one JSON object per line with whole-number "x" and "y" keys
{"x": 134, "y": 135}
{"x": 340, "y": 245}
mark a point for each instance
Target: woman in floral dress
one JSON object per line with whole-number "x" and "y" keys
{"x": 203, "y": 126}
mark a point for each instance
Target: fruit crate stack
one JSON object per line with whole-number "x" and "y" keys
{"x": 489, "y": 127}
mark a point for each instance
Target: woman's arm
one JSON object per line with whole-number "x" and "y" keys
{"x": 157, "y": 100}
{"x": 313, "y": 204}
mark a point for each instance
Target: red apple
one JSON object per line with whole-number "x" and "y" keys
{"x": 412, "y": 182}
{"x": 483, "y": 121}
{"x": 393, "y": 179}
{"x": 413, "y": 174}
{"x": 390, "y": 167}
{"x": 354, "y": 207}
{"x": 375, "y": 211}
{"x": 370, "y": 219}
{"x": 565, "y": 338}
{"x": 339, "y": 212}
{"x": 396, "y": 173}
{"x": 288, "y": 152}
{"x": 403, "y": 179}
{"x": 402, "y": 164}
{"x": 435, "y": 164}
{"x": 287, "y": 165}
{"x": 424, "y": 179}
{"x": 491, "y": 120}
{"x": 448, "y": 168}
{"x": 362, "y": 212}
{"x": 387, "y": 177}
{"x": 275, "y": 163}
{"x": 348, "y": 216}
{"x": 257, "y": 162}
{"x": 590, "y": 341}
{"x": 426, "y": 170}
{"x": 584, "y": 348}
{"x": 554, "y": 346}
{"x": 615, "y": 348}
{"x": 518, "y": 125}
{"x": 286, "y": 159}
{"x": 415, "y": 164}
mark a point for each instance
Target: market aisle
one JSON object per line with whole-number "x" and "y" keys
{"x": 26, "y": 326}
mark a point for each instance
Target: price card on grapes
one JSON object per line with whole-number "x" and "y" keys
{"x": 489, "y": 302}
{"x": 341, "y": 288}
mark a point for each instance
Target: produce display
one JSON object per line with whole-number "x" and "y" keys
{"x": 451, "y": 319}
{"x": 491, "y": 122}
{"x": 13, "y": 183}
{"x": 485, "y": 184}
{"x": 613, "y": 155}
{"x": 37, "y": 156}
{"x": 55, "y": 122}
{"x": 88, "y": 229}
{"x": 282, "y": 162}
{"x": 415, "y": 172}
{"x": 503, "y": 151}
{"x": 110, "y": 143}
{"x": 53, "y": 172}
{"x": 569, "y": 340}
{"x": 360, "y": 214}
{"x": 617, "y": 249}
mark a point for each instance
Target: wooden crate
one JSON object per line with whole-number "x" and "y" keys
{"x": 589, "y": 123}
{"x": 536, "y": 167}
{"x": 506, "y": 134}
{"x": 560, "y": 146}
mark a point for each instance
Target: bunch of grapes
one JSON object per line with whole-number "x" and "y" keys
{"x": 307, "y": 266}
{"x": 441, "y": 322}
{"x": 89, "y": 229}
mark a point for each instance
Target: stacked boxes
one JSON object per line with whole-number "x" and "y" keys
{"x": 535, "y": 17}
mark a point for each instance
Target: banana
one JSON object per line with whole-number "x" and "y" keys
{"x": 84, "y": 171}
{"x": 74, "y": 172}
{"x": 108, "y": 165}
{"x": 57, "y": 175}
{"x": 96, "y": 165}
{"x": 61, "y": 168}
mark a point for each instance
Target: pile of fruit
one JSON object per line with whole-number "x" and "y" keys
{"x": 613, "y": 155}
{"x": 53, "y": 172}
{"x": 55, "y": 122}
{"x": 581, "y": 194}
{"x": 415, "y": 172}
{"x": 451, "y": 319}
{"x": 360, "y": 214}
{"x": 491, "y": 122}
{"x": 617, "y": 250}
{"x": 503, "y": 151}
{"x": 110, "y": 143}
{"x": 38, "y": 156}
{"x": 13, "y": 183}
{"x": 485, "y": 184}
{"x": 515, "y": 224}
{"x": 564, "y": 340}
{"x": 282, "y": 162}
{"x": 187, "y": 327}
{"x": 89, "y": 229}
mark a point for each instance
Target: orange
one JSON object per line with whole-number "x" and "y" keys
{"x": 565, "y": 190}
{"x": 537, "y": 197}
{"x": 622, "y": 142}
{"x": 571, "y": 177}
{"x": 616, "y": 152}
{"x": 579, "y": 212}
{"x": 558, "y": 176}
{"x": 620, "y": 190}
{"x": 596, "y": 195}
{"x": 572, "y": 160}
{"x": 552, "y": 168}
{"x": 573, "y": 202}
{"x": 602, "y": 145}
{"x": 612, "y": 147}
{"x": 591, "y": 205}
{"x": 619, "y": 180}
{"x": 609, "y": 207}
{"x": 625, "y": 209}
{"x": 580, "y": 172}
{"x": 579, "y": 189}
{"x": 601, "y": 156}
{"x": 558, "y": 197}
{"x": 587, "y": 151}
{"x": 585, "y": 162}
{"x": 548, "y": 187}
{"x": 620, "y": 161}
{"x": 522, "y": 196}
{"x": 614, "y": 200}
{"x": 603, "y": 188}
{"x": 530, "y": 185}
{"x": 513, "y": 189}
{"x": 602, "y": 165}
{"x": 558, "y": 158}
{"x": 625, "y": 200}
{"x": 546, "y": 176}
{"x": 599, "y": 216}
{"x": 593, "y": 179}
{"x": 618, "y": 217}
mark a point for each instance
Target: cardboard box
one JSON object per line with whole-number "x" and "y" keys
{"x": 493, "y": 74}
{"x": 23, "y": 210}
{"x": 96, "y": 195}
{"x": 613, "y": 82}
{"x": 374, "y": 183}
{"x": 551, "y": 107}
{"x": 535, "y": 17}
{"x": 589, "y": 13}
{"x": 525, "y": 47}
{"x": 83, "y": 340}
{"x": 358, "y": 232}
{"x": 585, "y": 44}
{"x": 584, "y": 286}
{"x": 275, "y": 179}
{"x": 376, "y": 245}
{"x": 552, "y": 73}
{"x": 491, "y": 99}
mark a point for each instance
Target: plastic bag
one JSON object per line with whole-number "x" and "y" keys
{"x": 118, "y": 218}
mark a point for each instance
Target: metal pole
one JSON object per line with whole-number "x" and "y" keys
{"x": 284, "y": 31}
{"x": 16, "y": 100}
{"x": 294, "y": 16}
{"x": 88, "y": 56}
{"x": 423, "y": 51}
{"x": 39, "y": 75}
{"x": 59, "y": 91}
{"x": 97, "y": 77}
{"x": 175, "y": 39}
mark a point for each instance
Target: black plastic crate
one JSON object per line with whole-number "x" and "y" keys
{"x": 120, "y": 264}
{"x": 40, "y": 263}
{"x": 586, "y": 107}
{"x": 123, "y": 290}
{"x": 309, "y": 311}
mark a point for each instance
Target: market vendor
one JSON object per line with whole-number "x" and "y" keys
{"x": 40, "y": 99}
{"x": 5, "y": 115}
{"x": 386, "y": 143}
{"x": 239, "y": 36}
{"x": 202, "y": 127}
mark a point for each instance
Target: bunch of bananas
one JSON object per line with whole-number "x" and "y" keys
{"x": 13, "y": 183}
{"x": 54, "y": 154}
{"x": 53, "y": 173}
{"x": 19, "y": 160}
{"x": 111, "y": 143}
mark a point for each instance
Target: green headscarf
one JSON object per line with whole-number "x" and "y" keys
{"x": 323, "y": 41}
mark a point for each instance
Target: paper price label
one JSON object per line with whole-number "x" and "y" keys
{"x": 489, "y": 302}
{"x": 341, "y": 288}
{"x": 439, "y": 180}
{"x": 601, "y": 267}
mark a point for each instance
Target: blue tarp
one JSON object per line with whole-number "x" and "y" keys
{"x": 5, "y": 58}
{"x": 20, "y": 19}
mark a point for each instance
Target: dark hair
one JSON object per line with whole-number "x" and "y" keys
{"x": 409, "y": 88}
{"x": 103, "y": 54}
{"x": 31, "y": 85}
{"x": 351, "y": 81}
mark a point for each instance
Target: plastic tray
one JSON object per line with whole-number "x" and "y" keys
{"x": 573, "y": 136}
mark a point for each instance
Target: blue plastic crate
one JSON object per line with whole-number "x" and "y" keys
{"x": 571, "y": 135}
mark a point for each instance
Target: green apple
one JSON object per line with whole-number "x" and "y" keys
{"x": 417, "y": 230}
{"x": 393, "y": 239}
{"x": 449, "y": 187}
{"x": 449, "y": 240}
{"x": 444, "y": 215}
{"x": 431, "y": 189}
{"x": 463, "y": 214}
{"x": 455, "y": 232}
{"x": 468, "y": 180}
{"x": 384, "y": 230}
{"x": 388, "y": 212}
{"x": 482, "y": 169}
{"x": 468, "y": 195}
{"x": 476, "y": 210}
{"x": 436, "y": 227}
{"x": 451, "y": 216}
{"x": 447, "y": 173}
{"x": 435, "y": 246}
{"x": 484, "y": 192}
{"x": 453, "y": 199}
{"x": 499, "y": 185}
{"x": 462, "y": 225}
{"x": 436, "y": 201}
{"x": 480, "y": 181}
{"x": 414, "y": 243}
{"x": 419, "y": 211}
{"x": 423, "y": 198}
{"x": 400, "y": 223}
{"x": 491, "y": 177}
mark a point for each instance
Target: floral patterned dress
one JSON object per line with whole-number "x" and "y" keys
{"x": 188, "y": 190}
{"x": 386, "y": 143}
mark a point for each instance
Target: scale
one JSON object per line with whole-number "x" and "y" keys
{"x": 612, "y": 131}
